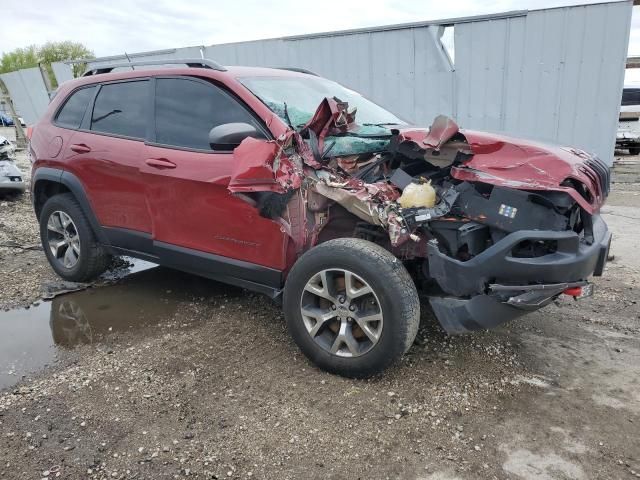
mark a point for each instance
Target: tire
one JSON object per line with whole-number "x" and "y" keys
{"x": 92, "y": 258}
{"x": 634, "y": 150}
{"x": 378, "y": 344}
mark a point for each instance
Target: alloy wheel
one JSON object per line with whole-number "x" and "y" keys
{"x": 63, "y": 239}
{"x": 341, "y": 313}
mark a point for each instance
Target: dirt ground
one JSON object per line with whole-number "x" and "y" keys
{"x": 166, "y": 375}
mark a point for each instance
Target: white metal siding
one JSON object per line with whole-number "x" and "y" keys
{"x": 553, "y": 75}
{"x": 62, "y": 72}
{"x": 404, "y": 70}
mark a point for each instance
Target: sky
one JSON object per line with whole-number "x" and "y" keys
{"x": 116, "y": 26}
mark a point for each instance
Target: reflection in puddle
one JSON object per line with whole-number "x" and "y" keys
{"x": 30, "y": 338}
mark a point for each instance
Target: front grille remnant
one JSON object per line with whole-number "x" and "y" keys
{"x": 602, "y": 172}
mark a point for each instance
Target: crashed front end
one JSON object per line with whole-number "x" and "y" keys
{"x": 499, "y": 227}
{"x": 11, "y": 179}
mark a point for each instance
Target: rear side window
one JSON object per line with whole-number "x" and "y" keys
{"x": 121, "y": 109}
{"x": 71, "y": 114}
{"x": 186, "y": 110}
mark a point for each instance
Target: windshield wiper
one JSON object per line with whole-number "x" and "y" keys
{"x": 286, "y": 115}
{"x": 379, "y": 124}
{"x": 363, "y": 135}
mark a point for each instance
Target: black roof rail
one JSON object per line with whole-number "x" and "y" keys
{"x": 299, "y": 70}
{"x": 190, "y": 62}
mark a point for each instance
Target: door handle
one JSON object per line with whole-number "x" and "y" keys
{"x": 160, "y": 163}
{"x": 80, "y": 148}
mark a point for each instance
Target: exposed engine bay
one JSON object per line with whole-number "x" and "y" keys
{"x": 430, "y": 196}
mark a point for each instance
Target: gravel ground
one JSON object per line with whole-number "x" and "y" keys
{"x": 207, "y": 384}
{"x": 20, "y": 251}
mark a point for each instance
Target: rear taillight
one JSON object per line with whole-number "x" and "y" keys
{"x": 573, "y": 291}
{"x": 29, "y": 132}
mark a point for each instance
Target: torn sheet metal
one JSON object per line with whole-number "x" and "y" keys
{"x": 441, "y": 131}
{"x": 365, "y": 168}
{"x": 264, "y": 166}
{"x": 332, "y": 116}
{"x": 441, "y": 145}
{"x": 7, "y": 149}
{"x": 365, "y": 200}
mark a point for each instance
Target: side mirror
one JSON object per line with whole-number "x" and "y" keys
{"x": 229, "y": 135}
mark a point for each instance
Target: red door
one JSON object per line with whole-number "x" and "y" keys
{"x": 110, "y": 171}
{"x": 108, "y": 158}
{"x": 186, "y": 181}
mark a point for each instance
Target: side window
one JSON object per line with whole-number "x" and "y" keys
{"x": 186, "y": 110}
{"x": 71, "y": 114}
{"x": 121, "y": 109}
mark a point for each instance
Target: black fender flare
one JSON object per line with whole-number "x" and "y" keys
{"x": 75, "y": 186}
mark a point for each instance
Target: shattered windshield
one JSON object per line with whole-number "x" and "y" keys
{"x": 302, "y": 95}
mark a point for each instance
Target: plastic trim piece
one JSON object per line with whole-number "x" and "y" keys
{"x": 574, "y": 260}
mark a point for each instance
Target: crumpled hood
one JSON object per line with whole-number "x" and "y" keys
{"x": 529, "y": 165}
{"x": 516, "y": 163}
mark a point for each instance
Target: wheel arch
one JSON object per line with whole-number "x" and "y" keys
{"x": 48, "y": 182}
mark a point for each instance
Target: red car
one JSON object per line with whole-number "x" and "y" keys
{"x": 285, "y": 183}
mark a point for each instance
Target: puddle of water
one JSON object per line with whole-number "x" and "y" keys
{"x": 24, "y": 343}
{"x": 30, "y": 338}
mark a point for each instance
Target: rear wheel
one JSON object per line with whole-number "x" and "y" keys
{"x": 351, "y": 307}
{"x": 69, "y": 241}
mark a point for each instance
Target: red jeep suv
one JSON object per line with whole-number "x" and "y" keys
{"x": 285, "y": 183}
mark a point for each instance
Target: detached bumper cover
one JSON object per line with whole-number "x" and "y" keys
{"x": 10, "y": 177}
{"x": 574, "y": 261}
{"x": 458, "y": 315}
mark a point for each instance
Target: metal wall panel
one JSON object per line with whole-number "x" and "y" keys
{"x": 62, "y": 71}
{"x": 381, "y": 65}
{"x": 28, "y": 93}
{"x": 553, "y": 75}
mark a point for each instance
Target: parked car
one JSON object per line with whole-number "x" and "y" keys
{"x": 7, "y": 121}
{"x": 292, "y": 185}
{"x": 628, "y": 137}
{"x": 11, "y": 179}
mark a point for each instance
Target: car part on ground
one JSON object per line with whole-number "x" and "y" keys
{"x": 11, "y": 179}
{"x": 318, "y": 189}
{"x": 7, "y": 149}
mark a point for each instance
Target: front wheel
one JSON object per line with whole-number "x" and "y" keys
{"x": 351, "y": 307}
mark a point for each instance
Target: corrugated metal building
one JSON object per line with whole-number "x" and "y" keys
{"x": 28, "y": 92}
{"x": 553, "y": 74}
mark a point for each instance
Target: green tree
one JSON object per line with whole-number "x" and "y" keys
{"x": 57, "y": 51}
{"x": 45, "y": 55}
{"x": 20, "y": 58}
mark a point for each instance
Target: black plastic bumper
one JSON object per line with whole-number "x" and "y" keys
{"x": 574, "y": 261}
